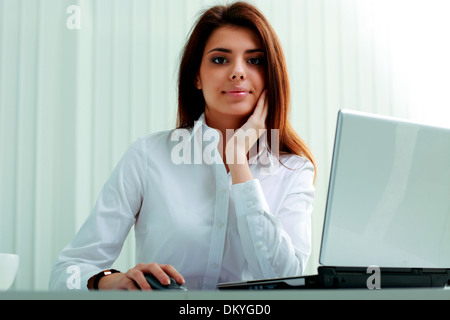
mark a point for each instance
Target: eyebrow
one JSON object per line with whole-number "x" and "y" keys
{"x": 230, "y": 51}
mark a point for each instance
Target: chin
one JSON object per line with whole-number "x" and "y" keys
{"x": 242, "y": 112}
{"x": 240, "y": 108}
{"x": 235, "y": 109}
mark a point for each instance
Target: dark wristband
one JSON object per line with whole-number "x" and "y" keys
{"x": 101, "y": 275}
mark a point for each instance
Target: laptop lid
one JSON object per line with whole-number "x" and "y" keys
{"x": 388, "y": 200}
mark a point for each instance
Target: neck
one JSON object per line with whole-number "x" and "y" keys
{"x": 223, "y": 122}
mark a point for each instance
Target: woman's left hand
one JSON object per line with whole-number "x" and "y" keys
{"x": 246, "y": 136}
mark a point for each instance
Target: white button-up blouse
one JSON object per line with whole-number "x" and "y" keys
{"x": 173, "y": 187}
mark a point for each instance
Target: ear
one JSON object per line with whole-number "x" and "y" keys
{"x": 198, "y": 83}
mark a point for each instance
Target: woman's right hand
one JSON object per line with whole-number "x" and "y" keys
{"x": 134, "y": 278}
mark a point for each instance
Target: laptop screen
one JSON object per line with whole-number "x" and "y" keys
{"x": 389, "y": 194}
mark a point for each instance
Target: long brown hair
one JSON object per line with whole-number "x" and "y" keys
{"x": 191, "y": 103}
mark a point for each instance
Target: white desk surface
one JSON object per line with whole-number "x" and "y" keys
{"x": 308, "y": 294}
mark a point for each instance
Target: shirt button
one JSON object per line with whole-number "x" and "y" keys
{"x": 247, "y": 190}
{"x": 259, "y": 244}
{"x": 220, "y": 224}
{"x": 215, "y": 265}
{"x": 250, "y": 204}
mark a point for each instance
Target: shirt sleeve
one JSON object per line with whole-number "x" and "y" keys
{"x": 100, "y": 239}
{"x": 276, "y": 245}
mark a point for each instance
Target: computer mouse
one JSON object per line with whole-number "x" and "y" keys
{"x": 156, "y": 285}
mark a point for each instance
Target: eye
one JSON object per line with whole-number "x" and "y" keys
{"x": 219, "y": 60}
{"x": 256, "y": 61}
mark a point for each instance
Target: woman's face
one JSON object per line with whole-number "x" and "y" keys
{"x": 231, "y": 73}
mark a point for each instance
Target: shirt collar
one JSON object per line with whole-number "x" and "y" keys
{"x": 198, "y": 124}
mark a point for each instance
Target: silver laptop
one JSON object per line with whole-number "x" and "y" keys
{"x": 388, "y": 208}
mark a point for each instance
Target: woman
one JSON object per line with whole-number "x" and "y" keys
{"x": 209, "y": 201}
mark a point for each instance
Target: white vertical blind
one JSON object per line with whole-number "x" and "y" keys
{"x": 71, "y": 101}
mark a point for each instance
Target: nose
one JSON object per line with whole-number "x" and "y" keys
{"x": 238, "y": 73}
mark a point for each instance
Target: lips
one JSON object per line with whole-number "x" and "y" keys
{"x": 237, "y": 92}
